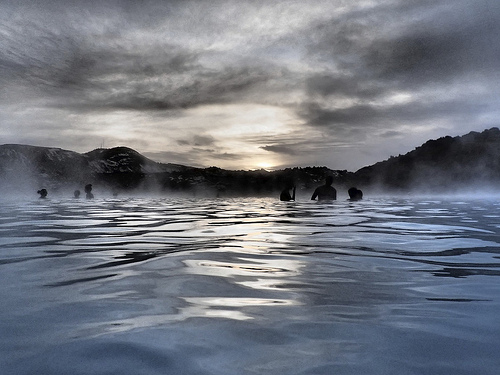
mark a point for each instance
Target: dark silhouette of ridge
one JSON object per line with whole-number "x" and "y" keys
{"x": 438, "y": 166}
{"x": 441, "y": 165}
{"x": 121, "y": 159}
{"x": 27, "y": 167}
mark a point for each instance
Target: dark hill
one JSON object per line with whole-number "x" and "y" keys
{"x": 29, "y": 168}
{"x": 121, "y": 159}
{"x": 122, "y": 168}
{"x": 438, "y": 166}
{"x": 25, "y": 167}
{"x": 442, "y": 165}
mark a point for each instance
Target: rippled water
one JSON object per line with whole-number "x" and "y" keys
{"x": 253, "y": 286}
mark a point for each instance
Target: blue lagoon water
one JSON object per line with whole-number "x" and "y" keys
{"x": 251, "y": 286}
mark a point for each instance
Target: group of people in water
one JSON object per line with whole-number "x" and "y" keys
{"x": 88, "y": 192}
{"x": 323, "y": 192}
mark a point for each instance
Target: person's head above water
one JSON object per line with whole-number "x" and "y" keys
{"x": 88, "y": 191}
{"x": 355, "y": 194}
{"x": 329, "y": 180}
{"x": 43, "y": 193}
{"x": 285, "y": 194}
{"x": 77, "y": 193}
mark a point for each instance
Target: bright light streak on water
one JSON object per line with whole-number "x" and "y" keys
{"x": 253, "y": 286}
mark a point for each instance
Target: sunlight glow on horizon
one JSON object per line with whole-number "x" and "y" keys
{"x": 265, "y": 165}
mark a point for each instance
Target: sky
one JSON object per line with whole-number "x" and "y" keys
{"x": 248, "y": 84}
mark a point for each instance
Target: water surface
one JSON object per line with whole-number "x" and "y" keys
{"x": 252, "y": 286}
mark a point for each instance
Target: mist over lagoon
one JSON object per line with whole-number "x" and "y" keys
{"x": 123, "y": 285}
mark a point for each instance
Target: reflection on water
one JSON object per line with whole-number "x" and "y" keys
{"x": 381, "y": 286}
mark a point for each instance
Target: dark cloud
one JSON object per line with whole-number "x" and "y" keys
{"x": 355, "y": 114}
{"x": 341, "y": 85}
{"x": 197, "y": 140}
{"x": 77, "y": 72}
{"x": 365, "y": 117}
{"x": 391, "y": 134}
{"x": 199, "y": 88}
{"x": 343, "y": 70}
{"x": 437, "y": 52}
{"x": 281, "y": 149}
{"x": 161, "y": 80}
{"x": 428, "y": 41}
{"x": 200, "y": 140}
{"x": 434, "y": 55}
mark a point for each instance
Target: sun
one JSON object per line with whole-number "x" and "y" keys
{"x": 264, "y": 165}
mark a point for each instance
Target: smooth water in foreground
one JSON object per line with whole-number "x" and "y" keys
{"x": 252, "y": 286}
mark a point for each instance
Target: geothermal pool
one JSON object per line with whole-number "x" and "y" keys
{"x": 250, "y": 286}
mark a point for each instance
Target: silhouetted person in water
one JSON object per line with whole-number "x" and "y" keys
{"x": 285, "y": 194}
{"x": 77, "y": 193}
{"x": 43, "y": 193}
{"x": 88, "y": 191}
{"x": 355, "y": 194}
{"x": 326, "y": 191}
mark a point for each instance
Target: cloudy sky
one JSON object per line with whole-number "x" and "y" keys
{"x": 248, "y": 84}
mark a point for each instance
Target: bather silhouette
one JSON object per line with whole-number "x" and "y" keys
{"x": 88, "y": 191}
{"x": 355, "y": 194}
{"x": 285, "y": 194}
{"x": 77, "y": 193}
{"x": 43, "y": 193}
{"x": 326, "y": 191}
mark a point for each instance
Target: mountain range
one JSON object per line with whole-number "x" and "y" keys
{"x": 440, "y": 166}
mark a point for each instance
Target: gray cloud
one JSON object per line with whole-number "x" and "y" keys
{"x": 344, "y": 85}
{"x": 88, "y": 79}
{"x": 74, "y": 71}
{"x": 429, "y": 46}
{"x": 226, "y": 86}
{"x": 281, "y": 149}
{"x": 197, "y": 140}
{"x": 362, "y": 117}
{"x": 391, "y": 134}
{"x": 429, "y": 55}
{"x": 336, "y": 67}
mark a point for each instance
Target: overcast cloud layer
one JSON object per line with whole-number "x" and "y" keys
{"x": 246, "y": 84}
